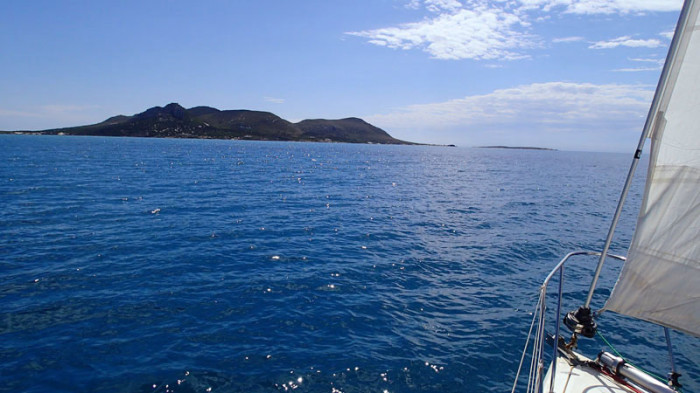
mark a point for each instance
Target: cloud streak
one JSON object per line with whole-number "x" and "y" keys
{"x": 16, "y": 113}
{"x": 657, "y": 65}
{"x": 274, "y": 100}
{"x": 499, "y": 30}
{"x": 562, "y": 108}
{"x": 602, "y": 6}
{"x": 618, "y": 6}
{"x": 567, "y": 39}
{"x": 481, "y": 32}
{"x": 626, "y": 41}
{"x": 561, "y": 103}
{"x": 48, "y": 116}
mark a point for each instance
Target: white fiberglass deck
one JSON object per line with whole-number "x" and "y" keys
{"x": 580, "y": 379}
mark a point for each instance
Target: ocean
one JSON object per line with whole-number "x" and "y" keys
{"x": 171, "y": 265}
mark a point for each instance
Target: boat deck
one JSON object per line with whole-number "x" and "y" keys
{"x": 581, "y": 379}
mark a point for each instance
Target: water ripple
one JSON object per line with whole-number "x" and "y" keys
{"x": 138, "y": 265}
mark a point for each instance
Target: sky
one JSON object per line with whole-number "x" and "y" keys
{"x": 564, "y": 74}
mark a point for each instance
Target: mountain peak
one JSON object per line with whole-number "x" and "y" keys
{"x": 174, "y": 106}
{"x": 173, "y": 110}
{"x": 201, "y": 110}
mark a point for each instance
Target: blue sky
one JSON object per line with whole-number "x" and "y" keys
{"x": 566, "y": 74}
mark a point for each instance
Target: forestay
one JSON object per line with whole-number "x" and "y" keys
{"x": 660, "y": 281}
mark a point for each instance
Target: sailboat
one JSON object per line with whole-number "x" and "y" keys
{"x": 660, "y": 278}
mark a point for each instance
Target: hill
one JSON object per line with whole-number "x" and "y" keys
{"x": 352, "y": 130}
{"x": 174, "y": 121}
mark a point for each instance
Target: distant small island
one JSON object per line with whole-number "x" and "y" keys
{"x": 203, "y": 122}
{"x": 516, "y": 147}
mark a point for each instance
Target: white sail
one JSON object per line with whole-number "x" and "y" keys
{"x": 660, "y": 281}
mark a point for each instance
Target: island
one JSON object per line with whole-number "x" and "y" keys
{"x": 203, "y": 122}
{"x": 516, "y": 148}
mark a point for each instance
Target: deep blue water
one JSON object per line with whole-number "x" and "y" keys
{"x": 155, "y": 265}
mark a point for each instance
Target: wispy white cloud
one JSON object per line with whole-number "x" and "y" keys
{"x": 499, "y": 29}
{"x": 16, "y": 113}
{"x": 65, "y": 110}
{"x": 48, "y": 116}
{"x": 626, "y": 41}
{"x": 656, "y": 65}
{"x": 667, "y": 34}
{"x": 639, "y": 69}
{"x": 562, "y": 108}
{"x": 481, "y": 33}
{"x": 274, "y": 100}
{"x": 51, "y": 110}
{"x": 442, "y": 5}
{"x": 619, "y": 6}
{"x": 567, "y": 39}
{"x": 414, "y": 4}
{"x": 604, "y": 6}
{"x": 648, "y": 60}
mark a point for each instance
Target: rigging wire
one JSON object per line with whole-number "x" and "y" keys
{"x": 535, "y": 314}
